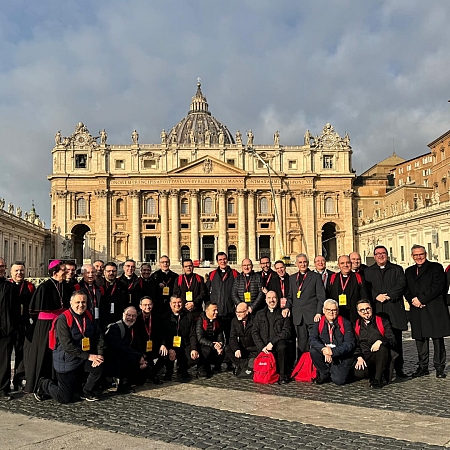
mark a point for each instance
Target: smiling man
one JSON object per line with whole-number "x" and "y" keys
{"x": 425, "y": 287}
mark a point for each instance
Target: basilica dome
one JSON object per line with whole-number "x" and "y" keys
{"x": 199, "y": 127}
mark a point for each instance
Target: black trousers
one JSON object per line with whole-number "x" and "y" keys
{"x": 19, "y": 367}
{"x": 423, "y": 352}
{"x": 377, "y": 365}
{"x": 210, "y": 356}
{"x": 398, "y": 349}
{"x": 302, "y": 333}
{"x": 245, "y": 354}
{"x": 184, "y": 361}
{"x": 281, "y": 353}
{"x": 63, "y": 391}
{"x": 338, "y": 369}
{"x": 6, "y": 348}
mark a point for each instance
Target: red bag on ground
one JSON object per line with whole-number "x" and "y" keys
{"x": 304, "y": 370}
{"x": 265, "y": 369}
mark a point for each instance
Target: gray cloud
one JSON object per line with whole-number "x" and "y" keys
{"x": 377, "y": 71}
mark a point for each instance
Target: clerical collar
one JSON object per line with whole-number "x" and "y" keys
{"x": 223, "y": 270}
{"x": 382, "y": 267}
{"x": 345, "y": 276}
{"x": 165, "y": 271}
{"x": 271, "y": 310}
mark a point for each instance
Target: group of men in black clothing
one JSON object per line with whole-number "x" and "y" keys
{"x": 133, "y": 326}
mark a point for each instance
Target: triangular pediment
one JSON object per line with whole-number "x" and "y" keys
{"x": 208, "y": 166}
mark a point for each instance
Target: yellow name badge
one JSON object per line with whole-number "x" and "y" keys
{"x": 85, "y": 344}
{"x": 166, "y": 290}
{"x": 149, "y": 346}
{"x": 189, "y": 296}
{"x": 342, "y": 300}
{"x": 247, "y": 297}
{"x": 299, "y": 293}
{"x": 177, "y": 341}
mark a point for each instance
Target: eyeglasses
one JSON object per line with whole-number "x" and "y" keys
{"x": 131, "y": 315}
{"x": 418, "y": 255}
{"x": 331, "y": 310}
{"x": 147, "y": 305}
{"x": 363, "y": 310}
{"x": 380, "y": 253}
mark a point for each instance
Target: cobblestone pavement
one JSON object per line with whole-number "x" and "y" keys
{"x": 212, "y": 428}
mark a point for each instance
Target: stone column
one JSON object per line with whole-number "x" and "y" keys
{"x": 135, "y": 252}
{"x": 278, "y": 231}
{"x": 252, "y": 226}
{"x": 194, "y": 225}
{"x": 164, "y": 247}
{"x": 222, "y": 244}
{"x": 309, "y": 223}
{"x": 242, "y": 230}
{"x": 103, "y": 229}
{"x": 175, "y": 228}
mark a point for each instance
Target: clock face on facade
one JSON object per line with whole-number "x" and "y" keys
{"x": 328, "y": 141}
{"x": 81, "y": 139}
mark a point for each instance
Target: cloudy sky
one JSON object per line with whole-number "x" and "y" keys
{"x": 377, "y": 70}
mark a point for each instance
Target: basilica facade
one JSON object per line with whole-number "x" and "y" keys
{"x": 201, "y": 189}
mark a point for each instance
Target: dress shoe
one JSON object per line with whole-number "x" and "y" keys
{"x": 283, "y": 380}
{"x": 420, "y": 372}
{"x": 39, "y": 393}
{"x": 440, "y": 374}
{"x": 320, "y": 380}
{"x": 401, "y": 375}
{"x": 168, "y": 376}
{"x": 376, "y": 384}
{"x": 6, "y": 396}
{"x": 156, "y": 380}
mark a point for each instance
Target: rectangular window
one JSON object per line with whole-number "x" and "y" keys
{"x": 260, "y": 165}
{"x": 390, "y": 253}
{"x": 264, "y": 225}
{"x": 408, "y": 167}
{"x": 184, "y": 225}
{"x": 446, "y": 253}
{"x": 430, "y": 253}
{"x": 150, "y": 226}
{"x": 328, "y": 162}
{"x": 120, "y": 164}
{"x": 360, "y": 213}
{"x": 81, "y": 161}
{"x": 183, "y": 162}
{"x": 231, "y": 225}
{"x": 376, "y": 202}
{"x": 292, "y": 164}
{"x": 425, "y": 183}
{"x": 231, "y": 162}
{"x": 149, "y": 164}
{"x": 402, "y": 253}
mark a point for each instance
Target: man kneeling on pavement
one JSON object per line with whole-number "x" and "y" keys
{"x": 332, "y": 342}
{"x": 241, "y": 349}
{"x": 79, "y": 348}
{"x": 374, "y": 341}
{"x": 271, "y": 333}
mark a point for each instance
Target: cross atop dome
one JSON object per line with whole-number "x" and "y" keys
{"x": 199, "y": 103}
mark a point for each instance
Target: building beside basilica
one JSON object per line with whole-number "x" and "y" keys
{"x": 200, "y": 190}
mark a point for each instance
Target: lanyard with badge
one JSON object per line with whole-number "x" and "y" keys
{"x": 268, "y": 279}
{"x": 93, "y": 297}
{"x": 247, "y": 294}
{"x": 177, "y": 338}
{"x": 111, "y": 308}
{"x": 85, "y": 343}
{"x": 299, "y": 291}
{"x": 343, "y": 297}
{"x": 188, "y": 285}
{"x": 166, "y": 288}
{"x": 149, "y": 345}
{"x": 60, "y": 291}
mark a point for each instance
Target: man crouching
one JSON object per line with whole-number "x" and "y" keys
{"x": 332, "y": 342}
{"x": 79, "y": 347}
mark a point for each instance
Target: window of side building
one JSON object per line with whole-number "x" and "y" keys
{"x": 120, "y": 164}
{"x": 81, "y": 161}
{"x": 149, "y": 163}
{"x": 292, "y": 164}
{"x": 328, "y": 162}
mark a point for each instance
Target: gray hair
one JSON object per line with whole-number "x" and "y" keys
{"x": 331, "y": 301}
{"x": 85, "y": 267}
{"x": 300, "y": 255}
{"x": 417, "y": 246}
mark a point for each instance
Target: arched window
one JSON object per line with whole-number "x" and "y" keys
{"x": 184, "y": 206}
{"x": 294, "y": 245}
{"x": 150, "y": 206}
{"x": 231, "y": 206}
{"x": 292, "y": 206}
{"x": 119, "y": 207}
{"x": 264, "y": 206}
{"x": 81, "y": 207}
{"x": 208, "y": 205}
{"x": 119, "y": 247}
{"x": 329, "y": 205}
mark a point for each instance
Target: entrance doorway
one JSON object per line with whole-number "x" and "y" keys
{"x": 329, "y": 246}
{"x": 79, "y": 250}
{"x": 150, "y": 249}
{"x": 264, "y": 246}
{"x": 208, "y": 248}
{"x": 232, "y": 254}
{"x": 185, "y": 252}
